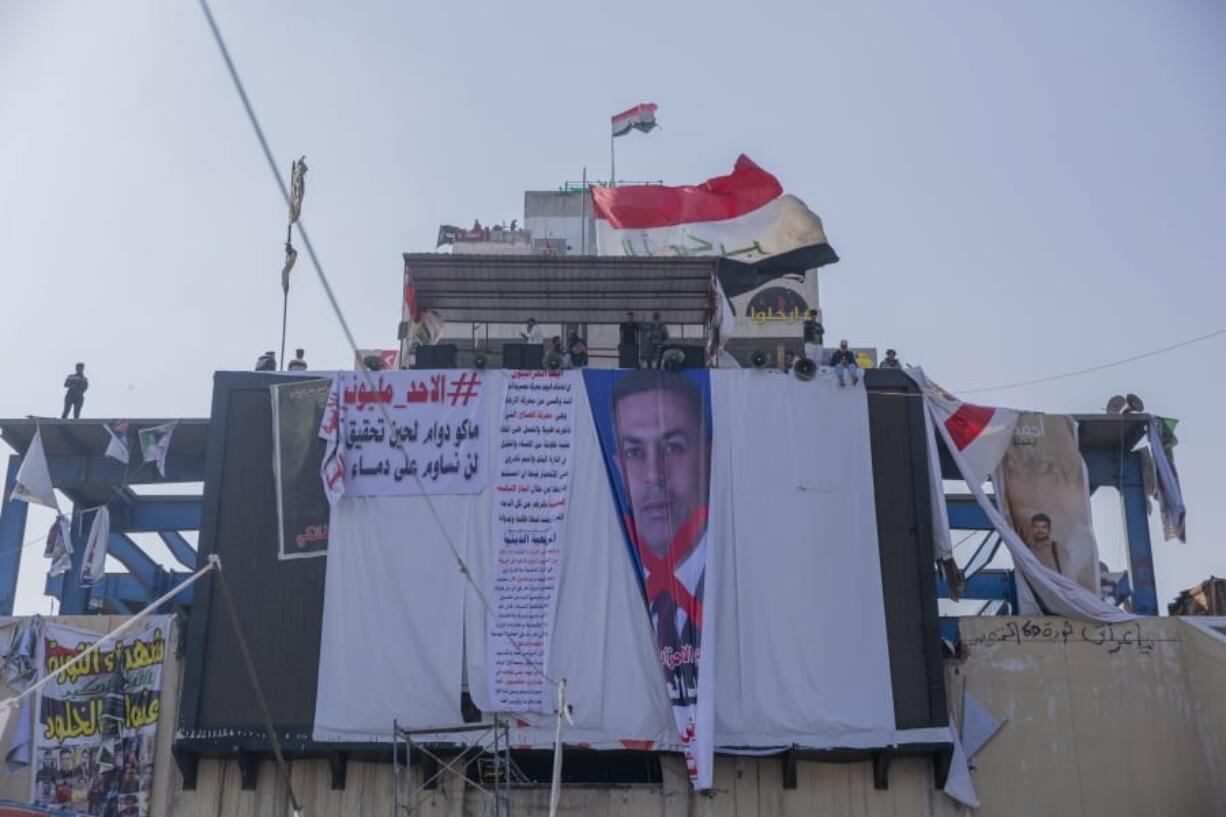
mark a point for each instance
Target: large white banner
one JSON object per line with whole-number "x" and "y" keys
{"x": 793, "y": 579}
{"x": 404, "y": 432}
{"x": 97, "y": 725}
{"x": 531, "y": 494}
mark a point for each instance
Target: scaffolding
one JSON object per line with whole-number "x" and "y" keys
{"x": 477, "y": 754}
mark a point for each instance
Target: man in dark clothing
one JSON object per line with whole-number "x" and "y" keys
{"x": 789, "y": 360}
{"x": 267, "y": 362}
{"x": 628, "y": 343}
{"x": 298, "y": 364}
{"x": 74, "y": 397}
{"x": 814, "y": 331}
{"x": 891, "y": 360}
{"x": 844, "y": 362}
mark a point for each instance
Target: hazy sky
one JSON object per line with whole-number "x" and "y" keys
{"x": 1015, "y": 190}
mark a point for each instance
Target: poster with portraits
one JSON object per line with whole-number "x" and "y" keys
{"x": 303, "y": 509}
{"x": 96, "y": 729}
{"x": 1047, "y": 497}
{"x": 655, "y": 433}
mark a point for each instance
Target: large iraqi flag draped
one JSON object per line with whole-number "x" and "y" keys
{"x": 744, "y": 217}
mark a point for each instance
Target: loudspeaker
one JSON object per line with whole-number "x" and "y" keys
{"x": 522, "y": 356}
{"x": 695, "y": 358}
{"x": 441, "y": 356}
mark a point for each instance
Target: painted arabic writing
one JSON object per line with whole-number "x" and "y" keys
{"x": 532, "y": 484}
{"x": 404, "y": 433}
{"x": 1110, "y": 637}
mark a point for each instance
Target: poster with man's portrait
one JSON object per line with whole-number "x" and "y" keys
{"x": 655, "y": 434}
{"x": 1047, "y": 496}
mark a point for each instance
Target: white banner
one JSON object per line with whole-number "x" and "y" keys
{"x": 531, "y": 493}
{"x": 97, "y": 725}
{"x": 433, "y": 444}
{"x": 793, "y": 537}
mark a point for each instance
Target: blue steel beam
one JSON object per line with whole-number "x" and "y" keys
{"x": 986, "y": 585}
{"x": 85, "y": 469}
{"x": 12, "y": 536}
{"x": 183, "y": 552}
{"x": 129, "y": 554}
{"x": 123, "y": 589}
{"x": 1136, "y": 525}
{"x": 154, "y": 514}
{"x": 965, "y": 513}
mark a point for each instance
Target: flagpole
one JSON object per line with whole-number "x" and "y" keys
{"x": 612, "y": 161}
{"x": 289, "y": 232}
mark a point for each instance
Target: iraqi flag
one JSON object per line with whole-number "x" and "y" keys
{"x": 641, "y": 117}
{"x": 744, "y": 217}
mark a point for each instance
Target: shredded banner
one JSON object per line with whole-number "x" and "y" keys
{"x": 531, "y": 494}
{"x": 96, "y": 732}
{"x": 433, "y": 444}
{"x": 1047, "y": 498}
{"x": 655, "y": 432}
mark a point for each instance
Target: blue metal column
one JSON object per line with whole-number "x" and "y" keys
{"x": 1136, "y": 528}
{"x": 12, "y": 535}
{"x": 74, "y": 599}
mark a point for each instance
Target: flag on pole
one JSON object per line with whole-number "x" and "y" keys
{"x": 59, "y": 546}
{"x": 297, "y": 188}
{"x": 117, "y": 448}
{"x": 641, "y": 117}
{"x": 291, "y": 256}
{"x": 34, "y": 475}
{"x": 743, "y": 217}
{"x": 93, "y": 562}
{"x": 155, "y": 443}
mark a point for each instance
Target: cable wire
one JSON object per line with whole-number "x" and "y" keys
{"x": 340, "y": 316}
{"x": 1181, "y": 344}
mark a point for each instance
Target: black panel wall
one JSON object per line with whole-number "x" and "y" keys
{"x": 904, "y": 532}
{"x": 280, "y": 603}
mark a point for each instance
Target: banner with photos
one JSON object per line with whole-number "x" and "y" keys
{"x": 96, "y": 730}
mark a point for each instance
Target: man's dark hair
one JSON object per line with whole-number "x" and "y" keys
{"x": 1041, "y": 517}
{"x": 639, "y": 381}
{"x": 300, "y": 352}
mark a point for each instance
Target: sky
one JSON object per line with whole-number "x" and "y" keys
{"x": 1015, "y": 191}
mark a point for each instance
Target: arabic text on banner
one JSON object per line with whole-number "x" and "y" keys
{"x": 434, "y": 442}
{"x": 532, "y": 490}
{"x": 97, "y": 723}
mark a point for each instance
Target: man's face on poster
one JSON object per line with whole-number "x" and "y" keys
{"x": 1040, "y": 531}
{"x": 664, "y": 458}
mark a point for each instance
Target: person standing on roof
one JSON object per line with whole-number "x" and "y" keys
{"x": 813, "y": 332}
{"x": 655, "y": 335}
{"x": 76, "y": 384}
{"x": 533, "y": 333}
{"x": 267, "y": 362}
{"x": 891, "y": 360}
{"x": 298, "y": 364}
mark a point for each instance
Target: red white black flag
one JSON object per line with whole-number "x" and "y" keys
{"x": 641, "y": 117}
{"x": 744, "y": 217}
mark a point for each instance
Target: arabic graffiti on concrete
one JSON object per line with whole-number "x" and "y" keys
{"x": 1110, "y": 637}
